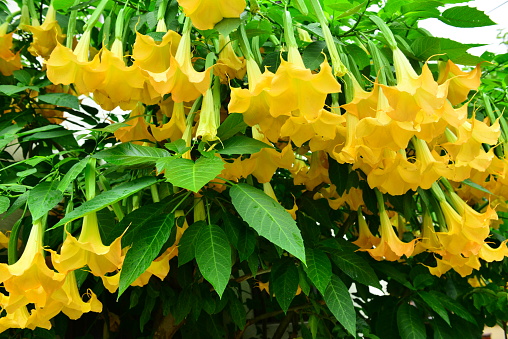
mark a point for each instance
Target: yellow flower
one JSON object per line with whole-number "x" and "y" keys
{"x": 390, "y": 246}
{"x": 206, "y": 13}
{"x": 30, "y": 280}
{"x": 181, "y": 79}
{"x": 429, "y": 241}
{"x": 461, "y": 83}
{"x": 153, "y": 56}
{"x": 137, "y": 131}
{"x": 209, "y": 117}
{"x": 9, "y": 62}
{"x": 46, "y": 36}
{"x": 174, "y": 129}
{"x": 89, "y": 250}
{"x": 229, "y": 65}
{"x": 66, "y": 67}
{"x": 366, "y": 240}
{"x": 268, "y": 160}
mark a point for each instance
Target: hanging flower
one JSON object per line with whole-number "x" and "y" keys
{"x": 46, "y": 36}
{"x": 9, "y": 62}
{"x": 461, "y": 83}
{"x": 229, "y": 65}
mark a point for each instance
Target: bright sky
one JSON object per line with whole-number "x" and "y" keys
{"x": 498, "y": 12}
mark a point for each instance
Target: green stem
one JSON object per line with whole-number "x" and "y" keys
{"x": 438, "y": 192}
{"x": 12, "y": 249}
{"x": 117, "y": 209}
{"x": 90, "y": 179}
{"x": 380, "y": 200}
{"x": 244, "y": 43}
{"x": 71, "y": 27}
{"x": 33, "y": 13}
{"x": 95, "y": 15}
{"x": 383, "y": 27}
{"x": 119, "y": 25}
{"x": 161, "y": 13}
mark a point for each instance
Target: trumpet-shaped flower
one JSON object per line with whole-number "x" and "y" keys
{"x": 366, "y": 240}
{"x": 89, "y": 250}
{"x": 46, "y": 36}
{"x": 461, "y": 83}
{"x": 206, "y": 13}
{"x": 137, "y": 129}
{"x": 153, "y": 56}
{"x": 209, "y": 117}
{"x": 9, "y": 62}
{"x": 30, "y": 280}
{"x": 175, "y": 127}
{"x": 229, "y": 65}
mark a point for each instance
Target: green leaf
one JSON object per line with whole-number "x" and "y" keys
{"x": 145, "y": 248}
{"x": 319, "y": 268}
{"x": 442, "y": 330}
{"x": 191, "y": 175}
{"x": 339, "y": 302}
{"x": 356, "y": 267}
{"x": 132, "y": 155}
{"x": 10, "y": 90}
{"x": 475, "y": 185}
{"x": 313, "y": 54}
{"x": 187, "y": 244}
{"x": 60, "y": 99}
{"x": 72, "y": 174}
{"x": 268, "y": 218}
{"x": 454, "y": 306}
{"x": 233, "y": 124}
{"x": 237, "y": 312}
{"x": 213, "y": 255}
{"x": 107, "y": 198}
{"x": 246, "y": 242}
{"x": 43, "y": 198}
{"x": 227, "y": 25}
{"x": 241, "y": 145}
{"x": 284, "y": 284}
{"x": 435, "y": 305}
{"x": 4, "y": 204}
{"x": 410, "y": 323}
{"x": 465, "y": 16}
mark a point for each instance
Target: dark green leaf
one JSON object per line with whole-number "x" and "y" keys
{"x": 72, "y": 174}
{"x": 4, "y": 204}
{"x": 339, "y": 302}
{"x": 145, "y": 248}
{"x": 465, "y": 16}
{"x": 319, "y": 268}
{"x": 232, "y": 125}
{"x": 410, "y": 323}
{"x": 191, "y": 175}
{"x": 43, "y": 198}
{"x": 454, "y": 306}
{"x": 241, "y": 145}
{"x": 313, "y": 54}
{"x": 107, "y": 198}
{"x": 129, "y": 154}
{"x": 356, "y": 267}
{"x": 475, "y": 185}
{"x": 213, "y": 255}
{"x": 60, "y": 99}
{"x": 268, "y": 218}
{"x": 284, "y": 285}
{"x": 237, "y": 312}
{"x": 246, "y": 242}
{"x": 187, "y": 245}
{"x": 435, "y": 305}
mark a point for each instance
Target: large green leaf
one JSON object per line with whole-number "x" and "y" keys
{"x": 213, "y": 255}
{"x": 72, "y": 174}
{"x": 242, "y": 145}
{"x": 339, "y": 302}
{"x": 144, "y": 249}
{"x": 233, "y": 124}
{"x": 268, "y": 218}
{"x": 410, "y": 323}
{"x": 356, "y": 267}
{"x": 43, "y": 198}
{"x": 435, "y": 304}
{"x": 284, "y": 284}
{"x": 188, "y": 174}
{"x": 60, "y": 99}
{"x": 4, "y": 204}
{"x": 454, "y": 306}
{"x": 465, "y": 16}
{"x": 129, "y": 154}
{"x": 107, "y": 198}
{"x": 319, "y": 268}
{"x": 246, "y": 242}
{"x": 187, "y": 244}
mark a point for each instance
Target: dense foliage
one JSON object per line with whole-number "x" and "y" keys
{"x": 233, "y": 169}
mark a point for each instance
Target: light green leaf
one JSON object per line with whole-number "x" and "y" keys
{"x": 187, "y": 244}
{"x": 4, "y": 204}
{"x": 475, "y": 185}
{"x": 191, "y": 175}
{"x": 356, "y": 267}
{"x": 72, "y": 174}
{"x": 43, "y": 198}
{"x": 268, "y": 218}
{"x": 284, "y": 285}
{"x": 60, "y": 99}
{"x": 465, "y": 16}
{"x": 107, "y": 198}
{"x": 339, "y": 302}
{"x": 242, "y": 145}
{"x": 227, "y": 25}
{"x": 410, "y": 323}
{"x": 435, "y": 305}
{"x": 9, "y": 90}
{"x": 129, "y": 154}
{"x": 145, "y": 248}
{"x": 213, "y": 255}
{"x": 319, "y": 268}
